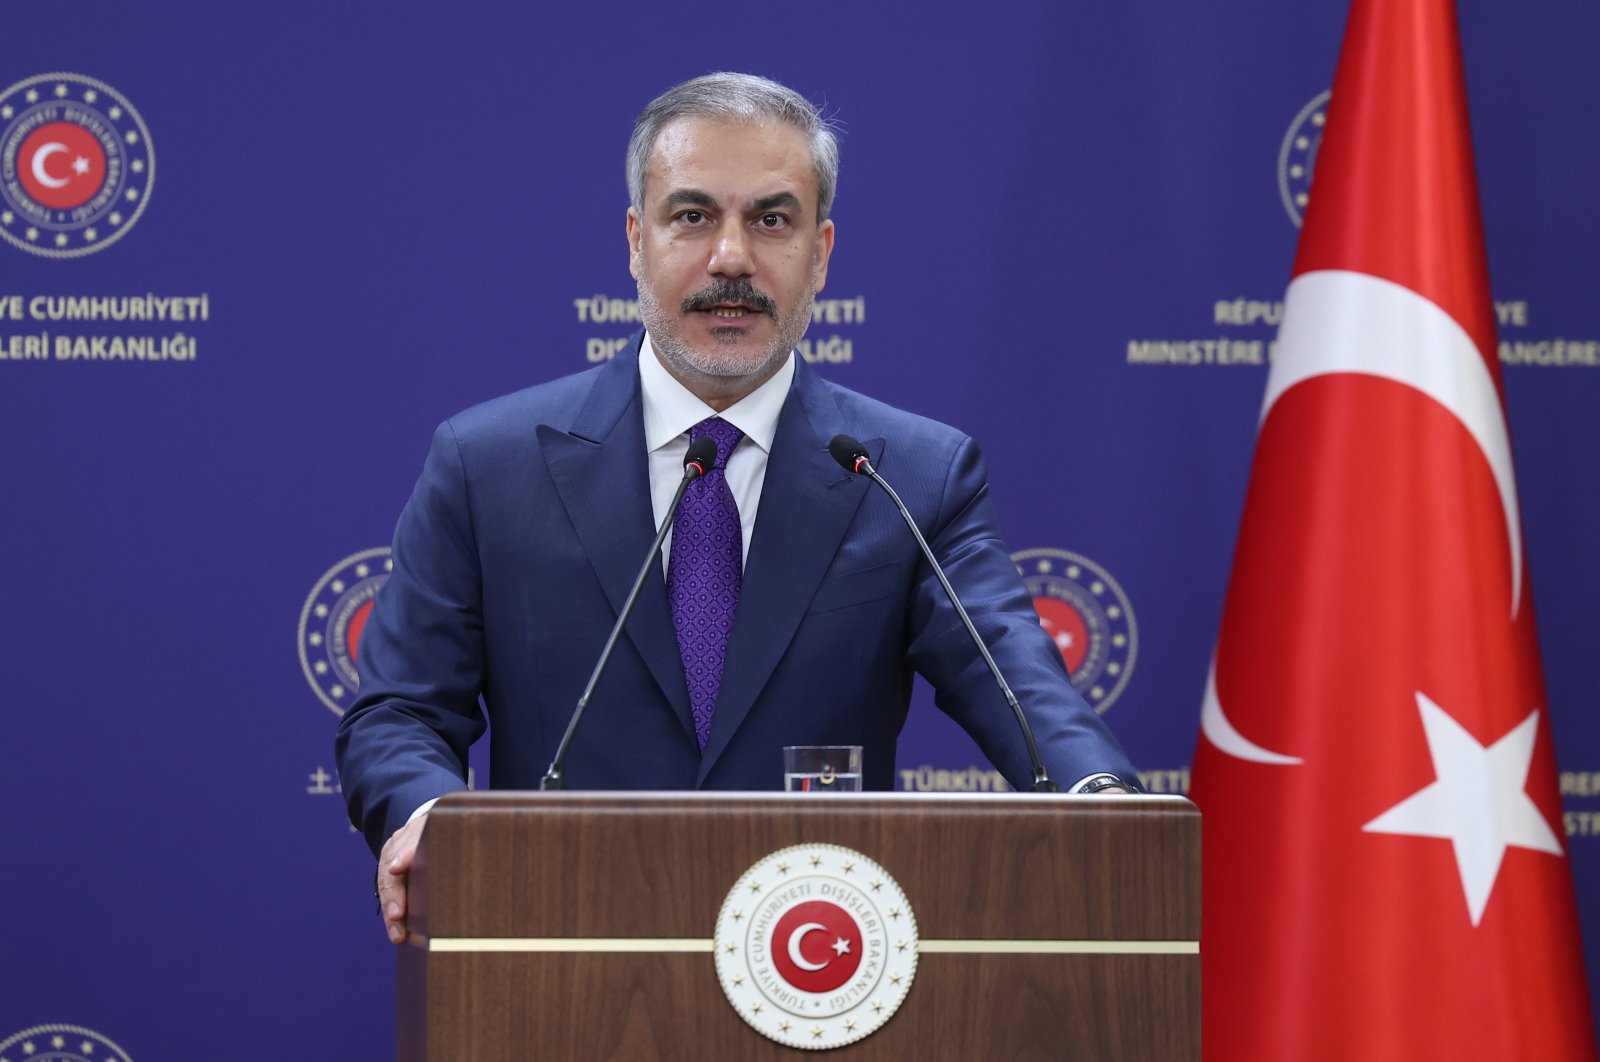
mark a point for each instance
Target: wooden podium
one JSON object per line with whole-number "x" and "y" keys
{"x": 582, "y": 925}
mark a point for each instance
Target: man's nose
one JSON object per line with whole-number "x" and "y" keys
{"x": 730, "y": 255}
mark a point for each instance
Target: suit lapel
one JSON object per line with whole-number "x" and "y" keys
{"x": 601, "y": 471}
{"x": 807, "y": 503}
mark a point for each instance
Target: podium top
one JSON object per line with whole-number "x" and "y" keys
{"x": 607, "y": 864}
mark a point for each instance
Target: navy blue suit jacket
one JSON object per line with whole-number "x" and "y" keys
{"x": 527, "y": 528}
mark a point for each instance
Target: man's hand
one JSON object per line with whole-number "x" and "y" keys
{"x": 394, "y": 863}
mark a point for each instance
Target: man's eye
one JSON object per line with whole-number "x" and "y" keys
{"x": 773, "y": 221}
{"x": 693, "y": 217}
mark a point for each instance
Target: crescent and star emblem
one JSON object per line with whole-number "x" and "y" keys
{"x": 79, "y": 166}
{"x": 860, "y": 930}
{"x": 840, "y": 946}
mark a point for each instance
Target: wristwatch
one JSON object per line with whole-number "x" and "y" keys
{"x": 1105, "y": 781}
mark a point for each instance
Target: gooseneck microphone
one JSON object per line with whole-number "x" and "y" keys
{"x": 697, "y": 462}
{"x": 853, "y": 456}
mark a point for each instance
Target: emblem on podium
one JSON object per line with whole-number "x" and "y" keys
{"x": 816, "y": 946}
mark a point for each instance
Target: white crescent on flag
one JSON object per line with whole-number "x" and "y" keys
{"x": 1225, "y": 736}
{"x": 1339, "y": 321}
{"x": 1335, "y": 320}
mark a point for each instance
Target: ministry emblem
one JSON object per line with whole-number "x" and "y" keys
{"x": 1298, "y": 156}
{"x": 1089, "y": 618}
{"x": 331, "y": 622}
{"x": 60, "y": 1043}
{"x": 816, "y": 946}
{"x": 76, "y": 165}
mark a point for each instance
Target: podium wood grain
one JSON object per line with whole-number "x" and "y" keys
{"x": 494, "y": 866}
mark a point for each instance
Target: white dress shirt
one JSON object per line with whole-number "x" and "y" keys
{"x": 671, "y": 409}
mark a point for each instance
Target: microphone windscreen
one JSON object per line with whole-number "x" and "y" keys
{"x": 846, "y": 451}
{"x": 702, "y": 452}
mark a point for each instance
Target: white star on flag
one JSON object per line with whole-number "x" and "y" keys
{"x": 841, "y": 946}
{"x": 80, "y": 165}
{"x": 1478, "y": 802}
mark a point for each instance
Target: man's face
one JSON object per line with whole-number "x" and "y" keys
{"x": 727, "y": 251}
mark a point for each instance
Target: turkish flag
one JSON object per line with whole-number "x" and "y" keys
{"x": 1385, "y": 876}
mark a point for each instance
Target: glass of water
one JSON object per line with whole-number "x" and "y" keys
{"x": 822, "y": 768}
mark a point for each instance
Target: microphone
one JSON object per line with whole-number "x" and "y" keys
{"x": 853, "y": 457}
{"x": 697, "y": 462}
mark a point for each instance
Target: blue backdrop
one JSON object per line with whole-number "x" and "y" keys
{"x": 1063, "y": 228}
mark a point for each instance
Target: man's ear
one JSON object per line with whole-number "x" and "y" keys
{"x": 824, "y": 249}
{"x": 635, "y": 235}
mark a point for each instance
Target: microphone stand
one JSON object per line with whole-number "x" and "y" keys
{"x": 854, "y": 459}
{"x": 695, "y": 464}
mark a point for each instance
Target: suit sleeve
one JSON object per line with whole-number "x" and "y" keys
{"x": 1072, "y": 740}
{"x": 421, "y": 659}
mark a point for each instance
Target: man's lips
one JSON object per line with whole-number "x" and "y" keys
{"x": 729, "y": 313}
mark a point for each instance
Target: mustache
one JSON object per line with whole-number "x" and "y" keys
{"x": 726, "y": 291}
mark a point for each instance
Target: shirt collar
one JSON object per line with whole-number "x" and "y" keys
{"x": 671, "y": 409}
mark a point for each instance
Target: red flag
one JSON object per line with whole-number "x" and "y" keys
{"x": 1384, "y": 872}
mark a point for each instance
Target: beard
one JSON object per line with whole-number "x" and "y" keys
{"x": 723, "y": 359}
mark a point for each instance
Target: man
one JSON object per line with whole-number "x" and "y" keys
{"x": 803, "y": 627}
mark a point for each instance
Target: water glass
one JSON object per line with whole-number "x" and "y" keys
{"x": 822, "y": 768}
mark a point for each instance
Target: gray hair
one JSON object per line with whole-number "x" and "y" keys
{"x": 736, "y": 97}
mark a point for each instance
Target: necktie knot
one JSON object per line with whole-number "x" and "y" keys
{"x": 719, "y": 431}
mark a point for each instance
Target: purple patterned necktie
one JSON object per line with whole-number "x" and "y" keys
{"x": 704, "y": 569}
